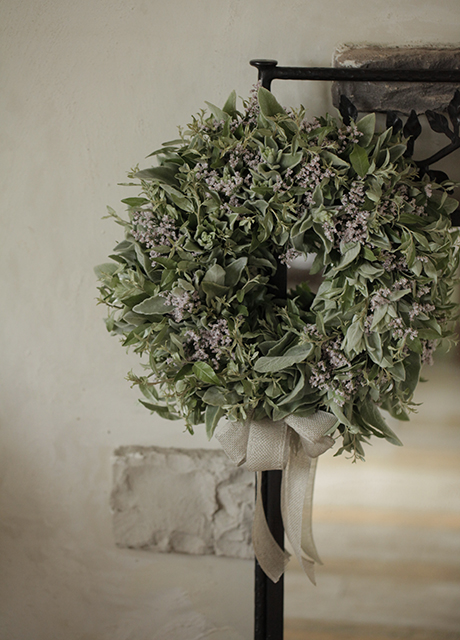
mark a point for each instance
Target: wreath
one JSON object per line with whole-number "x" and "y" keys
{"x": 192, "y": 287}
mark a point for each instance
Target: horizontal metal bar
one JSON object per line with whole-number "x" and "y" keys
{"x": 269, "y": 70}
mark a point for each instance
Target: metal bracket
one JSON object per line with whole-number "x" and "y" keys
{"x": 269, "y": 596}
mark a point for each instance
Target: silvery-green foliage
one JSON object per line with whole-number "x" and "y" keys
{"x": 189, "y": 288}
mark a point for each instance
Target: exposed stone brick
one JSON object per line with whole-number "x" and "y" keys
{"x": 182, "y": 500}
{"x": 399, "y": 96}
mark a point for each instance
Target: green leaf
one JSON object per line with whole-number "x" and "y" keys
{"x": 216, "y": 112}
{"x": 185, "y": 371}
{"x": 206, "y": 373}
{"x": 135, "y": 202}
{"x": 450, "y": 205}
{"x": 268, "y": 103}
{"x": 277, "y": 347}
{"x": 337, "y": 411}
{"x": 214, "y": 396}
{"x": 433, "y": 324}
{"x": 397, "y": 371}
{"x": 296, "y": 354}
{"x": 106, "y": 269}
{"x": 166, "y": 262}
{"x": 317, "y": 196}
{"x": 230, "y": 104}
{"x": 298, "y": 392}
{"x": 166, "y": 147}
{"x": 370, "y": 272}
{"x": 152, "y": 306}
{"x": 178, "y": 198}
{"x": 379, "y": 314}
{"x": 166, "y": 174}
{"x": 125, "y": 248}
{"x": 369, "y": 254}
{"x": 372, "y": 416}
{"x": 290, "y": 159}
{"x": 168, "y": 277}
{"x": 397, "y": 151}
{"x": 412, "y": 364}
{"x": 334, "y": 160}
{"x": 430, "y": 270}
{"x": 164, "y": 412}
{"x": 213, "y": 283}
{"x": 159, "y": 338}
{"x": 349, "y": 256}
{"x": 234, "y": 270}
{"x": 318, "y": 263}
{"x": 397, "y": 295}
{"x": 214, "y": 290}
{"x": 132, "y": 318}
{"x": 212, "y": 416}
{"x": 410, "y": 253}
{"x": 359, "y": 160}
{"x": 354, "y": 339}
{"x": 215, "y": 274}
{"x": 416, "y": 268}
{"x": 428, "y": 334}
{"x": 374, "y": 346}
{"x": 367, "y": 127}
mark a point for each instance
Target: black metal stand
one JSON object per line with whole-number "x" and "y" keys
{"x": 269, "y": 597}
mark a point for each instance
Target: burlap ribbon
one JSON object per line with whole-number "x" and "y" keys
{"x": 292, "y": 445}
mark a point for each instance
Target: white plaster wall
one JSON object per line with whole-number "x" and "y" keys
{"x": 89, "y": 88}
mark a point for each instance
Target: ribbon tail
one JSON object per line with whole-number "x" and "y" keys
{"x": 271, "y": 557}
{"x": 297, "y": 498}
{"x": 307, "y": 542}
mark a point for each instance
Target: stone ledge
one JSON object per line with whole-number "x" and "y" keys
{"x": 396, "y": 96}
{"x": 191, "y": 501}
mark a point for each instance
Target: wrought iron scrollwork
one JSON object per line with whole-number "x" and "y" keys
{"x": 412, "y": 129}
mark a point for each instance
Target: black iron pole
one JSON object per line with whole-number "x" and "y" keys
{"x": 268, "y": 595}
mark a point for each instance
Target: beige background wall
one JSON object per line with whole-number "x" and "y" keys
{"x": 89, "y": 88}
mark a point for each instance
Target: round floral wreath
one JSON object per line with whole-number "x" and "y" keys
{"x": 192, "y": 285}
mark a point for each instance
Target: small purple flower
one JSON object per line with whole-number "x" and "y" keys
{"x": 286, "y": 258}
{"x": 152, "y": 232}
{"x": 324, "y": 372}
{"x": 209, "y": 344}
{"x": 184, "y": 302}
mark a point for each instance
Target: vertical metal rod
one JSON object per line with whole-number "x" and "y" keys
{"x": 269, "y": 596}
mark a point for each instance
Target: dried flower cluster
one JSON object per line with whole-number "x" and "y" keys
{"x": 190, "y": 288}
{"x": 209, "y": 344}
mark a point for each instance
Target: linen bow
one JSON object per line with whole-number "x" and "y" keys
{"x": 293, "y": 445}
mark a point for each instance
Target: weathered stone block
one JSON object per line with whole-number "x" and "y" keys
{"x": 182, "y": 500}
{"x": 396, "y": 96}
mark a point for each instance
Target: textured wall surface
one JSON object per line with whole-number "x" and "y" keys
{"x": 89, "y": 89}
{"x": 399, "y": 96}
{"x": 191, "y": 501}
